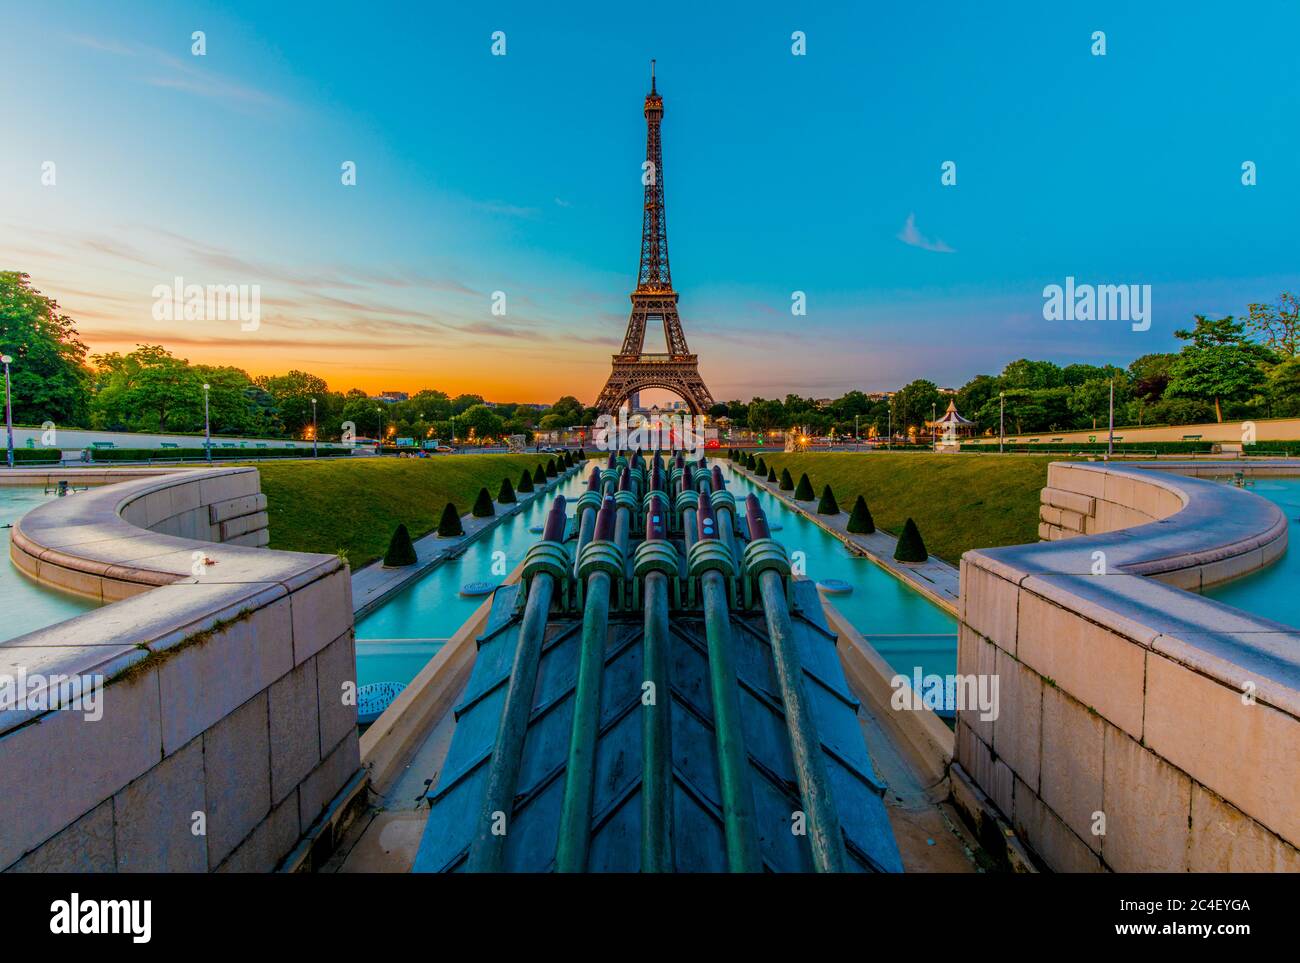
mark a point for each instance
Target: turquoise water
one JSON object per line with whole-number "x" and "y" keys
{"x": 432, "y": 609}
{"x": 904, "y": 626}
{"x": 1271, "y": 592}
{"x": 27, "y": 605}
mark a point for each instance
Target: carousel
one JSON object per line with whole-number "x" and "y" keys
{"x": 950, "y": 428}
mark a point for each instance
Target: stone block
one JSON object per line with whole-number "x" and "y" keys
{"x": 270, "y": 842}
{"x": 1048, "y": 836}
{"x": 1225, "y": 840}
{"x": 237, "y": 773}
{"x": 154, "y": 817}
{"x": 243, "y": 524}
{"x": 248, "y": 504}
{"x": 62, "y": 766}
{"x": 1245, "y": 752}
{"x": 1098, "y": 667}
{"x": 318, "y": 789}
{"x": 1071, "y": 767}
{"x": 1017, "y": 731}
{"x": 295, "y": 737}
{"x": 322, "y": 611}
{"x": 204, "y": 682}
{"x": 84, "y": 847}
{"x": 1071, "y": 501}
{"x": 336, "y": 665}
{"x": 990, "y": 606}
{"x": 1147, "y": 803}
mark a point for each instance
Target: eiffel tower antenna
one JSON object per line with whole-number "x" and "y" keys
{"x": 654, "y": 299}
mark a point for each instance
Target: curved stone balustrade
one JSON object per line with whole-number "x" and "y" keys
{"x": 1141, "y": 726}
{"x": 227, "y": 669}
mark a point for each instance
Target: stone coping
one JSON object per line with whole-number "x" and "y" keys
{"x": 87, "y": 535}
{"x": 1214, "y": 523}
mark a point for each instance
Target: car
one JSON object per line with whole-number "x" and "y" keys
{"x": 445, "y": 449}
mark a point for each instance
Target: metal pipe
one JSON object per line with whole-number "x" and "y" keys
{"x": 743, "y": 854}
{"x": 656, "y": 719}
{"x": 824, "y": 833}
{"x": 487, "y": 850}
{"x": 580, "y": 773}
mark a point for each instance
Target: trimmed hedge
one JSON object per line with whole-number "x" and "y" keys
{"x": 861, "y": 522}
{"x": 197, "y": 454}
{"x": 400, "y": 550}
{"x": 525, "y": 482}
{"x": 1160, "y": 447}
{"x": 449, "y": 526}
{"x": 539, "y": 476}
{"x": 762, "y": 467}
{"x": 828, "y": 505}
{"x": 787, "y": 483}
{"x": 803, "y": 492}
{"x": 506, "y": 496}
{"x": 551, "y": 470}
{"x": 910, "y": 547}
{"x": 771, "y": 474}
{"x": 483, "y": 507}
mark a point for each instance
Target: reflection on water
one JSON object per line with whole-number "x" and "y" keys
{"x": 1271, "y": 592}
{"x": 28, "y": 605}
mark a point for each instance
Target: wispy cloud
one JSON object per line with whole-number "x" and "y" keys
{"x": 501, "y": 207}
{"x": 174, "y": 73}
{"x": 910, "y": 235}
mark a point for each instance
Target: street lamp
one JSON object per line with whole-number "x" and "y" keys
{"x": 313, "y": 427}
{"x": 1002, "y": 410}
{"x": 889, "y": 442}
{"x": 9, "y": 411}
{"x": 379, "y": 437}
{"x": 207, "y": 424}
{"x": 453, "y": 429}
{"x": 1110, "y": 438}
{"x": 934, "y": 424}
{"x": 857, "y": 435}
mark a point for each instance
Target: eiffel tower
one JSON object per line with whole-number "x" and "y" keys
{"x": 654, "y": 300}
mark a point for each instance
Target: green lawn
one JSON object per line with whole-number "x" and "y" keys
{"x": 353, "y": 505}
{"x": 958, "y": 501}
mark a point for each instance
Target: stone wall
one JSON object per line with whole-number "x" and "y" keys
{"x": 224, "y": 734}
{"x": 1140, "y": 727}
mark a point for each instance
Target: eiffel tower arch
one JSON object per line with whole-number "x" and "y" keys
{"x": 654, "y": 301}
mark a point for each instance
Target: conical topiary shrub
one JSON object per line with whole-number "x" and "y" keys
{"x": 450, "y": 526}
{"x": 539, "y": 476}
{"x": 483, "y": 507}
{"x": 787, "y": 483}
{"x": 828, "y": 505}
{"x": 803, "y": 492}
{"x": 762, "y": 467}
{"x": 860, "y": 521}
{"x": 551, "y": 470}
{"x": 400, "y": 550}
{"x": 525, "y": 481}
{"x": 506, "y": 496}
{"x": 910, "y": 547}
{"x": 771, "y": 474}
{"x": 566, "y": 460}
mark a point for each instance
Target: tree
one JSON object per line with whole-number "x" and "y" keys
{"x": 1090, "y": 401}
{"x": 146, "y": 390}
{"x": 481, "y": 420}
{"x": 48, "y": 377}
{"x": 914, "y": 404}
{"x": 1219, "y": 363}
{"x": 1277, "y": 325}
{"x": 293, "y": 393}
{"x": 1284, "y": 388}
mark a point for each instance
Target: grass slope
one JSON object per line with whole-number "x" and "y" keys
{"x": 959, "y": 501}
{"x": 353, "y": 505}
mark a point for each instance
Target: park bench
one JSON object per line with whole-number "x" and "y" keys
{"x": 102, "y": 444}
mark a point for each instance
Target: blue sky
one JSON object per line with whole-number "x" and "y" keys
{"x": 521, "y": 174}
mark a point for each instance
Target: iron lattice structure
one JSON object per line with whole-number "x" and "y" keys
{"x": 654, "y": 301}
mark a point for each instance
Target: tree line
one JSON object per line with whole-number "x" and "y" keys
{"x": 1226, "y": 369}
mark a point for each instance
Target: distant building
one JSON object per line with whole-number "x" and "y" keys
{"x": 392, "y": 397}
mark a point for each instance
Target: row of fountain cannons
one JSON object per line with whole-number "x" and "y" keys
{"x": 559, "y": 760}
{"x": 633, "y": 498}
